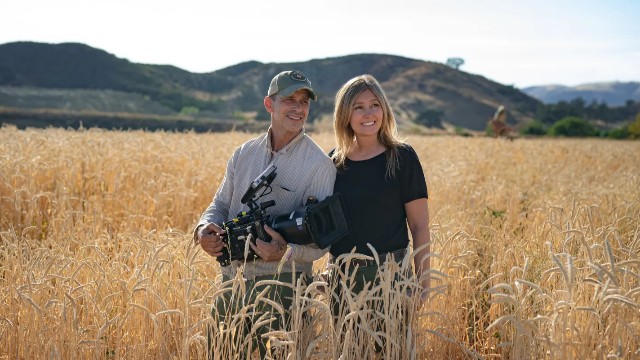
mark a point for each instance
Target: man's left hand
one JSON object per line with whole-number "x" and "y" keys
{"x": 270, "y": 251}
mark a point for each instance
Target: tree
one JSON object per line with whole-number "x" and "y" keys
{"x": 455, "y": 62}
{"x": 577, "y": 107}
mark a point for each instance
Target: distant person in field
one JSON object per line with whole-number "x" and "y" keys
{"x": 499, "y": 124}
{"x": 303, "y": 170}
{"x": 383, "y": 187}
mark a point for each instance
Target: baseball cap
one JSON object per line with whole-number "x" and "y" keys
{"x": 288, "y": 82}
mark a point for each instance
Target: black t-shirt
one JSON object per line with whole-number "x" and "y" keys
{"x": 375, "y": 204}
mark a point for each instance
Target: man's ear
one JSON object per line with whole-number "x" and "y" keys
{"x": 268, "y": 104}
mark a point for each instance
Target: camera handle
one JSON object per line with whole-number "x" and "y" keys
{"x": 267, "y": 204}
{"x": 260, "y": 232}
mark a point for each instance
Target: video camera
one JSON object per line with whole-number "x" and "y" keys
{"x": 319, "y": 222}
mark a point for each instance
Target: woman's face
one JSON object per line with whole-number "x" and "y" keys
{"x": 366, "y": 114}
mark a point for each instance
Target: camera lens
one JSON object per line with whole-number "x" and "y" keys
{"x": 323, "y": 222}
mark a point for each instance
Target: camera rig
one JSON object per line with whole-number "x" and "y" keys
{"x": 250, "y": 224}
{"x": 319, "y": 222}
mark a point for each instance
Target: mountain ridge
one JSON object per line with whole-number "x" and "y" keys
{"x": 422, "y": 93}
{"x": 612, "y": 93}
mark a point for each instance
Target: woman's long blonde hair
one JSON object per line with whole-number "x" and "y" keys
{"x": 344, "y": 134}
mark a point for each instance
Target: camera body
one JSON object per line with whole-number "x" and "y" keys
{"x": 248, "y": 225}
{"x": 239, "y": 231}
{"x": 317, "y": 222}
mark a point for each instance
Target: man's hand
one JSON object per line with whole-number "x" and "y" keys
{"x": 210, "y": 239}
{"x": 270, "y": 251}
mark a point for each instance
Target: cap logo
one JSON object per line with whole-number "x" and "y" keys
{"x": 297, "y": 76}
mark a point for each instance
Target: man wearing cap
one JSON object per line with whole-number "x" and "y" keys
{"x": 303, "y": 170}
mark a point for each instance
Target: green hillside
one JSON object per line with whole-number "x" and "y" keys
{"x": 423, "y": 93}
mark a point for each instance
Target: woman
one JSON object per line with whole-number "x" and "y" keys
{"x": 383, "y": 188}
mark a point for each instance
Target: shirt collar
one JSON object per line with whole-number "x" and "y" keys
{"x": 291, "y": 143}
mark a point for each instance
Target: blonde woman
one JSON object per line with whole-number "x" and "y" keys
{"x": 382, "y": 184}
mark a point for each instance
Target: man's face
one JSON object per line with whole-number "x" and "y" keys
{"x": 289, "y": 113}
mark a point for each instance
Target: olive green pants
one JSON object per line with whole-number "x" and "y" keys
{"x": 344, "y": 287}
{"x": 244, "y": 313}
{"x": 365, "y": 276}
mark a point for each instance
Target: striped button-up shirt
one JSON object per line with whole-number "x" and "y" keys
{"x": 303, "y": 170}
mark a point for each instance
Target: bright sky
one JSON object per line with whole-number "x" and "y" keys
{"x": 520, "y": 43}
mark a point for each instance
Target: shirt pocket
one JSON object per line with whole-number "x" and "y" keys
{"x": 285, "y": 187}
{"x": 285, "y": 194}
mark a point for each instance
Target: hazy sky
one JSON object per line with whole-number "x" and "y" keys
{"x": 522, "y": 43}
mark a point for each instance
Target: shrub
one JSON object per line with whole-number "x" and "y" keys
{"x": 634, "y": 128}
{"x": 460, "y": 131}
{"x": 619, "y": 133}
{"x": 189, "y": 110}
{"x": 572, "y": 127}
{"x": 536, "y": 128}
{"x": 488, "y": 130}
{"x": 430, "y": 118}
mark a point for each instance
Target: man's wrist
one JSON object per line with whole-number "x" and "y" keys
{"x": 196, "y": 235}
{"x": 289, "y": 252}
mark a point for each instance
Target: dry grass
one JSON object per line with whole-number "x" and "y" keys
{"x": 536, "y": 251}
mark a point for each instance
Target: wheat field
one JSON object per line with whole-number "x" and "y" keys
{"x": 535, "y": 251}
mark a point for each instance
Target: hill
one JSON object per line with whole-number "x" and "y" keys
{"x": 423, "y": 93}
{"x": 80, "y": 99}
{"x": 610, "y": 93}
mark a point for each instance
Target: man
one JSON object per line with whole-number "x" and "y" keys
{"x": 303, "y": 170}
